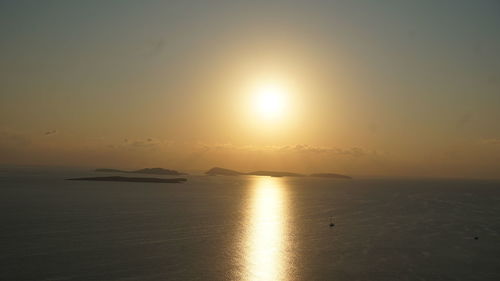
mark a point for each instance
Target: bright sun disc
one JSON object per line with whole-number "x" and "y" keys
{"x": 270, "y": 100}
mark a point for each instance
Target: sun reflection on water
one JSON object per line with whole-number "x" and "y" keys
{"x": 266, "y": 236}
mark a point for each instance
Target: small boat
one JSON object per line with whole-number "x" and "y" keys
{"x": 331, "y": 222}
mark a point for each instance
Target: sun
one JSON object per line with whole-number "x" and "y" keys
{"x": 270, "y": 100}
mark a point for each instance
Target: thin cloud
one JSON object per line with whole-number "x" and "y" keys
{"x": 298, "y": 148}
{"x": 146, "y": 143}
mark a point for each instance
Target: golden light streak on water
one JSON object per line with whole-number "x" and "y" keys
{"x": 266, "y": 240}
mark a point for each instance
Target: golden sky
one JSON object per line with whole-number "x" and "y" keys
{"x": 371, "y": 88}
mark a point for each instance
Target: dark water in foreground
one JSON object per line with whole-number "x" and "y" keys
{"x": 247, "y": 228}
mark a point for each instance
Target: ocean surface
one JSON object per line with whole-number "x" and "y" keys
{"x": 246, "y": 228}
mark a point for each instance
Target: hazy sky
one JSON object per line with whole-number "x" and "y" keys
{"x": 388, "y": 88}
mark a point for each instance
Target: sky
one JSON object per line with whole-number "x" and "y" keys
{"x": 369, "y": 88}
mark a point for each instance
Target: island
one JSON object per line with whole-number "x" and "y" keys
{"x": 330, "y": 175}
{"x": 274, "y": 174}
{"x": 227, "y": 172}
{"x": 130, "y": 179}
{"x": 221, "y": 171}
{"x": 150, "y": 171}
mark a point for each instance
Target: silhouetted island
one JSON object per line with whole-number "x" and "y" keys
{"x": 274, "y": 174}
{"x": 151, "y": 171}
{"x": 127, "y": 179}
{"x": 226, "y": 172}
{"x": 330, "y": 175}
{"x": 221, "y": 171}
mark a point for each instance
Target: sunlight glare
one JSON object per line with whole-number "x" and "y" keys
{"x": 270, "y": 100}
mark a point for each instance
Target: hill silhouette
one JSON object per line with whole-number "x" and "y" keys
{"x": 221, "y": 171}
{"x": 127, "y": 179}
{"x": 330, "y": 175}
{"x": 150, "y": 171}
{"x": 227, "y": 172}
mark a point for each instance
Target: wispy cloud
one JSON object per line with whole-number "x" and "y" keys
{"x": 144, "y": 143}
{"x": 50, "y": 132}
{"x": 298, "y": 148}
{"x": 304, "y": 148}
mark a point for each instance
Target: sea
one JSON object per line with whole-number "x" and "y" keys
{"x": 247, "y": 228}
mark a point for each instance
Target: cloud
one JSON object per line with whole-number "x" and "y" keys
{"x": 353, "y": 151}
{"x": 145, "y": 143}
{"x": 148, "y": 143}
{"x": 298, "y": 148}
{"x": 51, "y": 132}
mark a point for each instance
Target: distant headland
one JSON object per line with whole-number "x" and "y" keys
{"x": 330, "y": 175}
{"x": 149, "y": 171}
{"x": 227, "y": 172}
{"x": 130, "y": 179}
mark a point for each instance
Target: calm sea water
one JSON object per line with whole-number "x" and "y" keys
{"x": 246, "y": 228}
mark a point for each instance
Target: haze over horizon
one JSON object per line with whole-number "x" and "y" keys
{"x": 384, "y": 88}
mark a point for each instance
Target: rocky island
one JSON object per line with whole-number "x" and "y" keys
{"x": 150, "y": 171}
{"x": 227, "y": 172}
{"x": 221, "y": 171}
{"x": 330, "y": 175}
{"x": 274, "y": 174}
{"x": 130, "y": 179}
